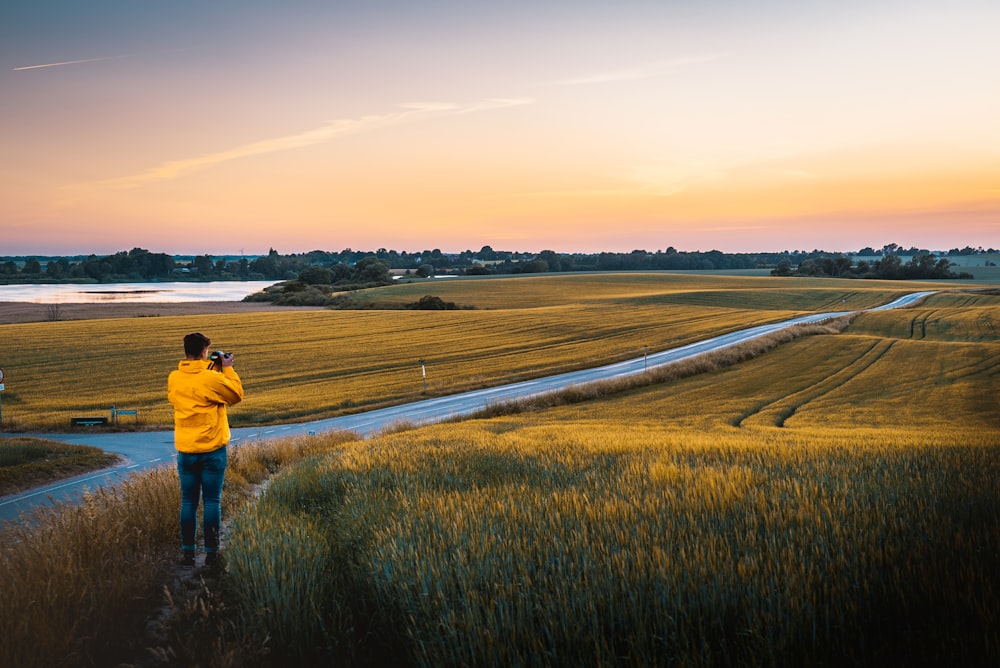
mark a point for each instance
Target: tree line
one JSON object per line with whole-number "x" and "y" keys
{"x": 891, "y": 267}
{"x": 350, "y": 268}
{"x": 139, "y": 264}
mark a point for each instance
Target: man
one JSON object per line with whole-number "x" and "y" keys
{"x": 200, "y": 390}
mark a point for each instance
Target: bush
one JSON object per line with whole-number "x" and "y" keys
{"x": 432, "y": 303}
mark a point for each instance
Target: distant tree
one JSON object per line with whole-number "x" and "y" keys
{"x": 637, "y": 259}
{"x": 203, "y": 265}
{"x": 551, "y": 259}
{"x": 316, "y": 276}
{"x": 478, "y": 270}
{"x": 784, "y": 268}
{"x": 890, "y": 249}
{"x": 57, "y": 268}
{"x": 31, "y": 267}
{"x": 889, "y": 266}
{"x": 158, "y": 265}
{"x": 266, "y": 266}
{"x": 535, "y": 267}
{"x": 372, "y": 270}
{"x": 432, "y": 303}
{"x": 340, "y": 272}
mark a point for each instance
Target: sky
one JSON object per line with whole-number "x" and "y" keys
{"x": 743, "y": 126}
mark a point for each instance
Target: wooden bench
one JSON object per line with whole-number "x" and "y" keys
{"x": 87, "y": 421}
{"x": 118, "y": 412}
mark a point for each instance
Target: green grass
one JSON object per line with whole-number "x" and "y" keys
{"x": 28, "y": 462}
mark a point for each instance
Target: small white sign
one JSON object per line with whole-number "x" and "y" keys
{"x": 1, "y": 387}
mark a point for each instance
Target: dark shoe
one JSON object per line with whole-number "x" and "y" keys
{"x": 211, "y": 559}
{"x": 187, "y": 561}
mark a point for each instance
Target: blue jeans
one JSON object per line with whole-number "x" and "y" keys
{"x": 201, "y": 474}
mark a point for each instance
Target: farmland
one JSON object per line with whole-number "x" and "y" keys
{"x": 831, "y": 502}
{"x": 314, "y": 364}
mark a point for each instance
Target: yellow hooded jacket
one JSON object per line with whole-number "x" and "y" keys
{"x": 200, "y": 396}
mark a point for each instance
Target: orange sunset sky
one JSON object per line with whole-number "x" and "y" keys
{"x": 229, "y": 127}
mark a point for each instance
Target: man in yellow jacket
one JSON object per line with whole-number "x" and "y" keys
{"x": 200, "y": 390}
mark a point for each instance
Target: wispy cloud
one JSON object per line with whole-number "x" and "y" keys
{"x": 637, "y": 72}
{"x": 67, "y": 62}
{"x": 175, "y": 169}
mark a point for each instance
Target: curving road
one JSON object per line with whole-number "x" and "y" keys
{"x": 143, "y": 450}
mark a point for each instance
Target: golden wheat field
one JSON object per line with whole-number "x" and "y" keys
{"x": 300, "y": 365}
{"x": 830, "y": 503}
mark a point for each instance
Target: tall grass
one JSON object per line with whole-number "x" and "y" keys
{"x": 503, "y": 542}
{"x": 785, "y": 511}
{"x": 77, "y": 580}
{"x": 81, "y": 581}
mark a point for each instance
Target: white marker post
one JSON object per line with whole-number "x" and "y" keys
{"x": 423, "y": 372}
{"x": 1, "y": 403}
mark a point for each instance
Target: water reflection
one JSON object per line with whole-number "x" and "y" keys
{"x": 149, "y": 293}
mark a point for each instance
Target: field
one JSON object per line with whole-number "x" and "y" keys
{"x": 309, "y": 364}
{"x": 832, "y": 502}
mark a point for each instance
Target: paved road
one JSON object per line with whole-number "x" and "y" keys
{"x": 143, "y": 450}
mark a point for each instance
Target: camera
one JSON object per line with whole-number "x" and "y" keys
{"x": 216, "y": 359}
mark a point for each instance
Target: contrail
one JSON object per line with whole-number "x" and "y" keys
{"x": 68, "y": 62}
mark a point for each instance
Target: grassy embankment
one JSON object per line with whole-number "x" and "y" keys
{"x": 318, "y": 364}
{"x": 26, "y": 462}
{"x": 674, "y": 523}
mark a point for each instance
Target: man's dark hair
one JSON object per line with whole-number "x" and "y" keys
{"x": 195, "y": 343}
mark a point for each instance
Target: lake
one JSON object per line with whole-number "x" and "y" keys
{"x": 150, "y": 293}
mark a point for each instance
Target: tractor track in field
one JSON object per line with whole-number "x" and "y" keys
{"x": 783, "y": 408}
